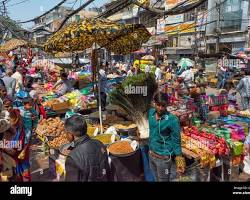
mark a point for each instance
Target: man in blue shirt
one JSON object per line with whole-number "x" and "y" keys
{"x": 164, "y": 140}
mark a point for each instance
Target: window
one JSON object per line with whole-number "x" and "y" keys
{"x": 77, "y": 17}
{"x": 190, "y": 16}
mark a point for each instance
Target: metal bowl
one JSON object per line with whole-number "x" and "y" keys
{"x": 123, "y": 155}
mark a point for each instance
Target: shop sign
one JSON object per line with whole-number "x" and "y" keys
{"x": 172, "y": 3}
{"x": 201, "y": 21}
{"x": 188, "y": 27}
{"x": 160, "y": 25}
{"x": 172, "y": 19}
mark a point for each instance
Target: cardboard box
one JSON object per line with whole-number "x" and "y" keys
{"x": 60, "y": 106}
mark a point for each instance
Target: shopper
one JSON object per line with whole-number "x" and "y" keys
{"x": 244, "y": 89}
{"x": 65, "y": 85}
{"x": 103, "y": 88}
{"x": 201, "y": 81}
{"x": 21, "y": 153}
{"x": 88, "y": 161}
{"x": 188, "y": 77}
{"x": 158, "y": 73}
{"x": 30, "y": 118}
{"x": 10, "y": 84}
{"x": 19, "y": 78}
{"x": 37, "y": 105}
{"x": 164, "y": 140}
{"x": 148, "y": 68}
{"x": 247, "y": 145}
{"x": 221, "y": 77}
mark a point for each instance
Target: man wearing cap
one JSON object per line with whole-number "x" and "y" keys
{"x": 10, "y": 84}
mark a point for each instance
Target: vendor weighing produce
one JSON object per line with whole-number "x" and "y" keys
{"x": 164, "y": 140}
{"x": 65, "y": 83}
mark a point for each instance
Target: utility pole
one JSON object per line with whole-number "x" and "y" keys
{"x": 195, "y": 37}
{"x": 218, "y": 27}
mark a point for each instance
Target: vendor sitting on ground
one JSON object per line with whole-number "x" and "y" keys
{"x": 65, "y": 83}
{"x": 88, "y": 161}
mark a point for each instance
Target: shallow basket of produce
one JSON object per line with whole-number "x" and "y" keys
{"x": 126, "y": 129}
{"x": 122, "y": 148}
{"x": 57, "y": 142}
{"x": 107, "y": 139}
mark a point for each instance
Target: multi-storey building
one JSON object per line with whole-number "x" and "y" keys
{"x": 49, "y": 22}
{"x": 228, "y": 28}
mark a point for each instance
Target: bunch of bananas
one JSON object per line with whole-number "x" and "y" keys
{"x": 117, "y": 38}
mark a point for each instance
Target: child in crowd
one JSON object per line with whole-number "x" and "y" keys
{"x": 30, "y": 118}
{"x": 38, "y": 107}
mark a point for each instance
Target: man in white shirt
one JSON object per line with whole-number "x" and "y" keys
{"x": 158, "y": 74}
{"x": 19, "y": 78}
{"x": 147, "y": 68}
{"x": 187, "y": 76}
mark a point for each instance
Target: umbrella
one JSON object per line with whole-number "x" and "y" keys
{"x": 185, "y": 62}
{"x": 16, "y": 43}
{"x": 148, "y": 57}
{"x": 12, "y": 44}
{"x": 242, "y": 55}
{"x": 117, "y": 38}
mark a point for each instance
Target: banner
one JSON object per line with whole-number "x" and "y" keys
{"x": 201, "y": 21}
{"x": 188, "y": 27}
{"x": 172, "y": 3}
{"x": 160, "y": 25}
{"x": 171, "y": 19}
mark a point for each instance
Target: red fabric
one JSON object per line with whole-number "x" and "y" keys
{"x": 42, "y": 112}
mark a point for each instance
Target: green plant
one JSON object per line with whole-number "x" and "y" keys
{"x": 136, "y": 105}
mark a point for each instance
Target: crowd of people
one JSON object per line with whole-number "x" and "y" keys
{"x": 21, "y": 109}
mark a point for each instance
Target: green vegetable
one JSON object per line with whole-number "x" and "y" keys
{"x": 136, "y": 105}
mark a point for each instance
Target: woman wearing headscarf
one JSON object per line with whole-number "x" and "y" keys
{"x": 21, "y": 152}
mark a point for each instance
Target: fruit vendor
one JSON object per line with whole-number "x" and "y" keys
{"x": 65, "y": 83}
{"x": 88, "y": 160}
{"x": 164, "y": 140}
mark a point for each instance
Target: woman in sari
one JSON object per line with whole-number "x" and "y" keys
{"x": 21, "y": 151}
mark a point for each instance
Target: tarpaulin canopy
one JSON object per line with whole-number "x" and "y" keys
{"x": 117, "y": 38}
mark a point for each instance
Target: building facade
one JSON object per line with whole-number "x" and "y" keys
{"x": 228, "y": 30}
{"x": 50, "y": 22}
